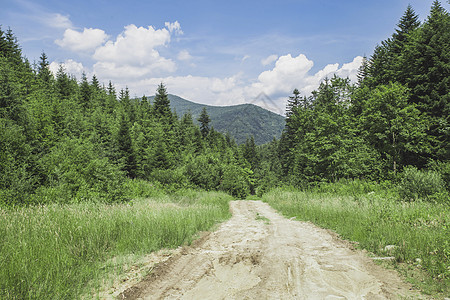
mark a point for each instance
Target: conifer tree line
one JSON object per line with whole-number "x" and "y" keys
{"x": 395, "y": 117}
{"x": 65, "y": 140}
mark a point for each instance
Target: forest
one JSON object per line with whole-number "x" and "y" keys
{"x": 65, "y": 140}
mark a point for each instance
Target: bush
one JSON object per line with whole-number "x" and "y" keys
{"x": 139, "y": 188}
{"x": 442, "y": 168}
{"x": 75, "y": 172}
{"x": 204, "y": 171}
{"x": 172, "y": 178}
{"x": 267, "y": 183}
{"x": 235, "y": 182}
{"x": 427, "y": 185}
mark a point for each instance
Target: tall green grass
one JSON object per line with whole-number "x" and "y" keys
{"x": 419, "y": 230}
{"x": 58, "y": 251}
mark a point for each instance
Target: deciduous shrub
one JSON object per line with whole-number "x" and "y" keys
{"x": 235, "y": 182}
{"x": 416, "y": 184}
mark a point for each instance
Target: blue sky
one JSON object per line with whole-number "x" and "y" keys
{"x": 212, "y": 52}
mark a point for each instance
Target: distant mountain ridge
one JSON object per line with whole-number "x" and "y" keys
{"x": 241, "y": 121}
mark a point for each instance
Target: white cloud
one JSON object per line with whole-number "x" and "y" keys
{"x": 70, "y": 66}
{"x": 294, "y": 72}
{"x": 278, "y": 83}
{"x": 288, "y": 72}
{"x": 133, "y": 54}
{"x": 174, "y": 27}
{"x": 88, "y": 40}
{"x": 207, "y": 90}
{"x": 56, "y": 20}
{"x": 350, "y": 70}
{"x": 269, "y": 59}
{"x": 184, "y": 55}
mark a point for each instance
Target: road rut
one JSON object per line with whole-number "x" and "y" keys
{"x": 259, "y": 254}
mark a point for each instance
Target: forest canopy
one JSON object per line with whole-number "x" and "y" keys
{"x": 64, "y": 140}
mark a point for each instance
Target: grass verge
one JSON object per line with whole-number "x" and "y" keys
{"x": 419, "y": 232}
{"x": 59, "y": 251}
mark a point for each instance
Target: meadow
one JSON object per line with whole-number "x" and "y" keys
{"x": 417, "y": 233}
{"x": 59, "y": 251}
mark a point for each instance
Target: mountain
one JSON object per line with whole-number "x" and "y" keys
{"x": 241, "y": 121}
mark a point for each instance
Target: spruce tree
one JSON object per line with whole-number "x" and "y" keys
{"x": 204, "y": 122}
{"x": 249, "y": 152}
{"x": 62, "y": 84}
{"x": 363, "y": 71}
{"x": 125, "y": 147}
{"x": 386, "y": 63}
{"x": 161, "y": 104}
{"x": 85, "y": 92}
{"x": 44, "y": 73}
{"x": 427, "y": 63}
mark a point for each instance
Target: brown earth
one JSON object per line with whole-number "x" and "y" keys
{"x": 258, "y": 254}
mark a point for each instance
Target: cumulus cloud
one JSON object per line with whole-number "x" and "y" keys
{"x": 288, "y": 72}
{"x": 70, "y": 66}
{"x": 350, "y": 70}
{"x": 87, "y": 40}
{"x": 174, "y": 27}
{"x": 134, "y": 53}
{"x": 270, "y": 89}
{"x": 294, "y": 72}
{"x": 269, "y": 59}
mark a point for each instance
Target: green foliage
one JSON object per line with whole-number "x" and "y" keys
{"x": 16, "y": 182}
{"x": 427, "y": 185}
{"x": 443, "y": 168}
{"x": 172, "y": 179}
{"x": 395, "y": 116}
{"x": 125, "y": 147}
{"x": 204, "y": 171}
{"x": 66, "y": 141}
{"x": 161, "y": 105}
{"x": 392, "y": 126}
{"x": 76, "y": 173}
{"x": 417, "y": 57}
{"x": 235, "y": 181}
{"x": 61, "y": 252}
{"x": 204, "y": 120}
{"x": 139, "y": 188}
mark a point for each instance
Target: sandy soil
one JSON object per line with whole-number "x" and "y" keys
{"x": 258, "y": 254}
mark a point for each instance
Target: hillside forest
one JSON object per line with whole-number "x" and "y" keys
{"x": 66, "y": 140}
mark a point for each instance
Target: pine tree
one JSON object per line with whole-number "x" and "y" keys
{"x": 111, "y": 89}
{"x": 249, "y": 152}
{"x": 386, "y": 64}
{"x": 204, "y": 122}
{"x": 95, "y": 84}
{"x": 62, "y": 84}
{"x": 161, "y": 104}
{"x": 85, "y": 92}
{"x": 44, "y": 73}
{"x": 293, "y": 103}
{"x": 111, "y": 101}
{"x": 427, "y": 75}
{"x": 125, "y": 147}
{"x": 363, "y": 71}
{"x": 407, "y": 24}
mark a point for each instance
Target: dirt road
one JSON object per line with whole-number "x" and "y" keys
{"x": 258, "y": 254}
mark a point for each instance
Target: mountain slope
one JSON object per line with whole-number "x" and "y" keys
{"x": 241, "y": 121}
